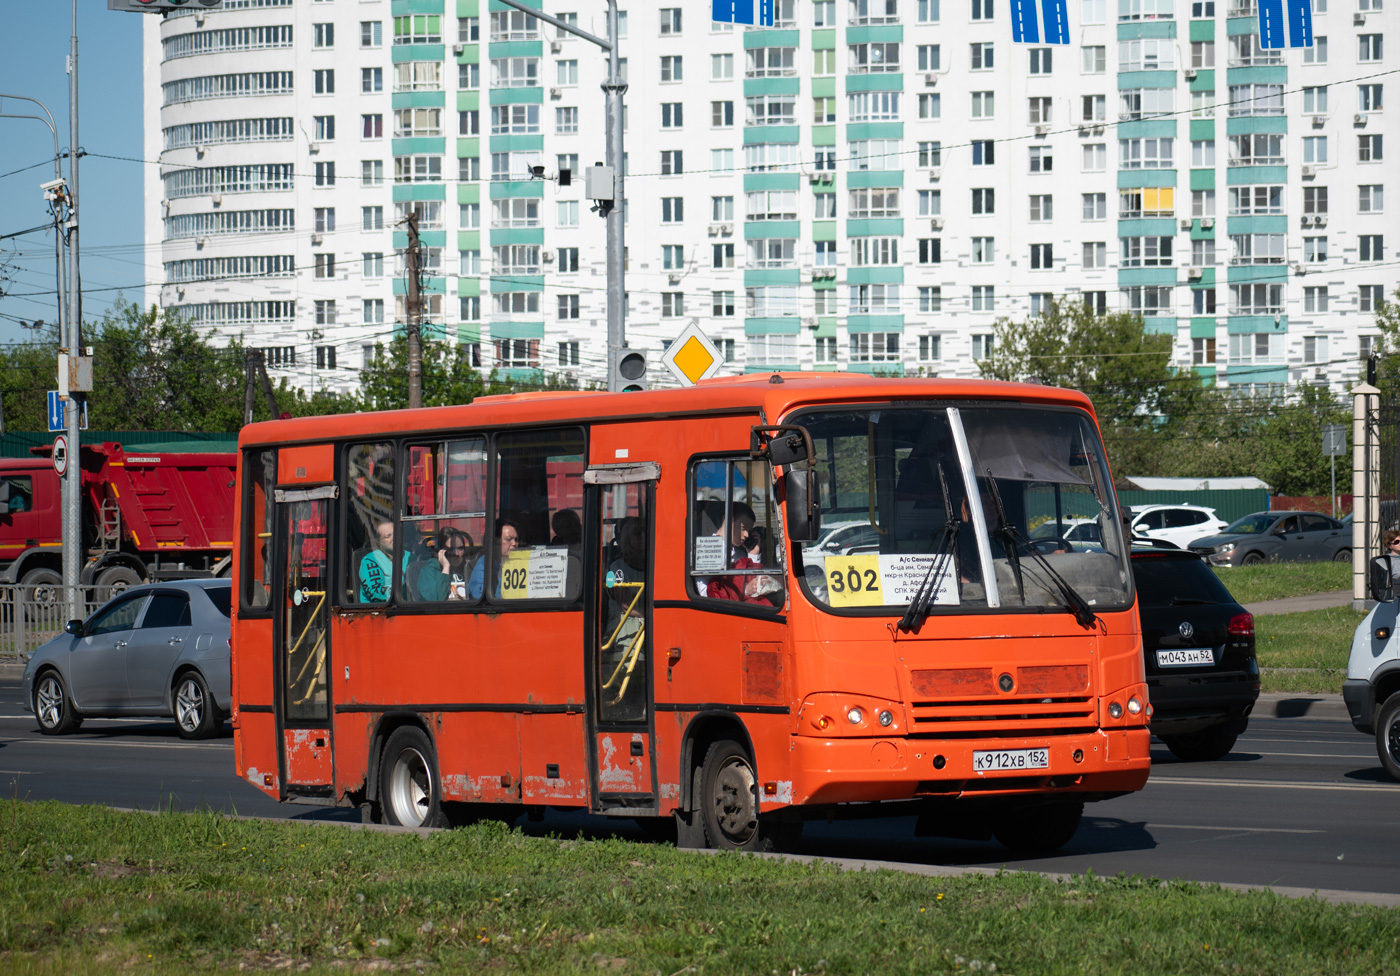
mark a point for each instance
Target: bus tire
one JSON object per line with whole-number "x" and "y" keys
{"x": 1038, "y": 829}
{"x": 53, "y": 706}
{"x": 410, "y": 793}
{"x": 1388, "y": 736}
{"x": 729, "y": 799}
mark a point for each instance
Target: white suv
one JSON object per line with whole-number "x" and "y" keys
{"x": 1180, "y": 525}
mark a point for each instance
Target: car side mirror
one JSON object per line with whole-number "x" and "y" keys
{"x": 74, "y": 627}
{"x": 1382, "y": 582}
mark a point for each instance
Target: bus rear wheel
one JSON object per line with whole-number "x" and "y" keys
{"x": 1038, "y": 829}
{"x": 410, "y": 793}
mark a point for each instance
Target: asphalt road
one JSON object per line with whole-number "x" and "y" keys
{"x": 1301, "y": 803}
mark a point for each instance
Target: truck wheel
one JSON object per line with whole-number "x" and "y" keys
{"x": 42, "y": 586}
{"x": 196, "y": 715}
{"x": 1038, "y": 829}
{"x": 1206, "y": 745}
{"x": 114, "y": 580}
{"x": 52, "y": 706}
{"x": 410, "y": 794}
{"x": 1388, "y": 736}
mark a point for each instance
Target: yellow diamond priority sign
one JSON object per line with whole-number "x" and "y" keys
{"x": 692, "y": 357}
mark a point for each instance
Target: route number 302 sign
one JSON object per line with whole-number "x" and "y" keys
{"x": 880, "y": 579}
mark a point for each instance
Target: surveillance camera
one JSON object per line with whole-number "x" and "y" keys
{"x": 53, "y": 185}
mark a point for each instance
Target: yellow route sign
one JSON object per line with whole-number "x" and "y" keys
{"x": 692, "y": 357}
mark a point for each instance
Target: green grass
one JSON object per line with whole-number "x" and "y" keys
{"x": 96, "y": 891}
{"x": 1305, "y": 652}
{"x": 1274, "y": 581}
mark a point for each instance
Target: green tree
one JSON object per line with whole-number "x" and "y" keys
{"x": 1388, "y": 348}
{"x": 448, "y": 377}
{"x": 1125, "y": 371}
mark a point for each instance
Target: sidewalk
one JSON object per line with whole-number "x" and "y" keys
{"x": 1297, "y": 604}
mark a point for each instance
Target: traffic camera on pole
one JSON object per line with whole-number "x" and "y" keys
{"x": 161, "y": 6}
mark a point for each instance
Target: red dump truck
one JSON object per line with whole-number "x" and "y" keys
{"x": 146, "y": 516}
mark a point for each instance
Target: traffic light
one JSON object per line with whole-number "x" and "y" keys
{"x": 631, "y": 370}
{"x": 160, "y": 6}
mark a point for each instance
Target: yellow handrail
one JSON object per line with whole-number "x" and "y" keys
{"x": 628, "y": 661}
{"x": 319, "y": 652}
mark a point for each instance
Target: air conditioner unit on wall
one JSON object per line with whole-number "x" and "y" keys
{"x": 1358, "y": 19}
{"x": 1207, "y": 223}
{"x": 930, "y": 79}
{"x": 457, "y": 49}
{"x": 1308, "y": 172}
{"x": 1193, "y": 273}
{"x": 556, "y": 46}
{"x": 1319, "y": 121}
{"x": 1319, "y": 220}
{"x": 1359, "y": 118}
{"x": 1042, "y": 129}
{"x": 935, "y": 174}
{"x": 936, "y": 223}
{"x": 1190, "y": 74}
{"x": 556, "y": 93}
{"x": 1186, "y": 225}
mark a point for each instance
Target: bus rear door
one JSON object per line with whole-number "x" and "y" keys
{"x": 301, "y": 635}
{"x": 622, "y": 762}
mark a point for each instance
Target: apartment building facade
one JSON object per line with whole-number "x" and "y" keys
{"x": 869, "y": 185}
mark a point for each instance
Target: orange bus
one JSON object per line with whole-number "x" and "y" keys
{"x": 727, "y": 608}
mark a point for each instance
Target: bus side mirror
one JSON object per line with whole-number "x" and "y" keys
{"x": 1382, "y": 582}
{"x": 804, "y": 517}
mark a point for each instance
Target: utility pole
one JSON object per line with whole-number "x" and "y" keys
{"x": 415, "y": 316}
{"x": 614, "y": 88}
{"x": 73, "y": 479}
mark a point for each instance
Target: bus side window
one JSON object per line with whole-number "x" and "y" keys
{"x": 369, "y": 524}
{"x": 255, "y": 567}
{"x": 539, "y": 475}
{"x": 444, "y": 518}
{"x": 736, "y": 533}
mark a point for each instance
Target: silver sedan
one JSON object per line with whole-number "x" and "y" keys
{"x": 161, "y": 649}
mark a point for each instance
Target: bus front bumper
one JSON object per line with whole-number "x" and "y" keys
{"x": 862, "y": 770}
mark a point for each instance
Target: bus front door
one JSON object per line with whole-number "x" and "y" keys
{"x": 302, "y": 639}
{"x": 621, "y": 760}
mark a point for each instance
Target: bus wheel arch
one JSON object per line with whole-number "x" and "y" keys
{"x": 410, "y": 785}
{"x": 717, "y": 758}
{"x": 389, "y": 725}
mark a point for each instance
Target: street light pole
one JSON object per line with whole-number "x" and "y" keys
{"x": 614, "y": 88}
{"x": 58, "y": 199}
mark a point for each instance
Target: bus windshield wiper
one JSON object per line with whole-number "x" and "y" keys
{"x": 1076, "y": 604}
{"x": 942, "y": 560}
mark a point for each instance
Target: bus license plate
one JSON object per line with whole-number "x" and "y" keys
{"x": 994, "y": 760}
{"x": 1185, "y": 657}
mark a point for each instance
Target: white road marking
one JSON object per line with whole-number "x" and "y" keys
{"x": 79, "y": 740}
{"x": 1237, "y": 830}
{"x": 1276, "y": 785}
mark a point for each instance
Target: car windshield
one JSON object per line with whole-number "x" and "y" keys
{"x": 1251, "y": 524}
{"x": 901, "y": 472}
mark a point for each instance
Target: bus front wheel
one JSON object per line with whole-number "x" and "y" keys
{"x": 410, "y": 794}
{"x": 729, "y": 799}
{"x": 1038, "y": 829}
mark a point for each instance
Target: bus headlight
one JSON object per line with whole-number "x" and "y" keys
{"x": 854, "y": 715}
{"x": 1134, "y": 706}
{"x": 1115, "y": 710}
{"x": 885, "y": 718}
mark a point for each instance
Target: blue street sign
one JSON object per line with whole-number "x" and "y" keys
{"x": 1298, "y": 21}
{"x": 742, "y": 12}
{"x": 56, "y": 420}
{"x": 1025, "y": 28}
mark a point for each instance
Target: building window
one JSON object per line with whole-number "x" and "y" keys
{"x": 983, "y": 300}
{"x": 1317, "y": 54}
{"x": 874, "y": 347}
{"x": 1041, "y": 60}
{"x": 371, "y": 33}
{"x": 1369, "y": 149}
{"x": 1314, "y": 300}
{"x": 672, "y": 68}
{"x": 1372, "y": 247}
{"x": 1369, "y": 47}
{"x": 1256, "y": 299}
{"x": 568, "y": 213}
{"x": 672, "y": 210}
{"x": 722, "y": 255}
{"x": 1202, "y": 352}
{"x": 1263, "y": 199}
{"x": 1042, "y": 159}
{"x": 981, "y": 9}
{"x": 1093, "y": 59}
{"x": 1148, "y": 299}
{"x": 722, "y": 304}
{"x": 931, "y": 299}
{"x": 981, "y": 56}
{"x": 930, "y": 250}
{"x": 565, "y": 121}
{"x": 983, "y": 104}
{"x": 372, "y": 311}
{"x": 874, "y": 251}
{"x": 325, "y": 312}
{"x": 568, "y": 306}
{"x": 323, "y": 219}
{"x": 371, "y": 80}
{"x": 1203, "y": 203}
{"x": 1203, "y": 252}
{"x": 672, "y": 162}
{"x": 984, "y": 250}
{"x": 1042, "y": 257}
{"x": 1095, "y": 206}
{"x": 1145, "y": 153}
{"x": 1315, "y": 250}
{"x": 568, "y": 353}
{"x": 1095, "y": 157}
{"x": 931, "y": 154}
{"x": 372, "y": 126}
{"x": 825, "y": 254}
{"x": 1371, "y": 198}
{"x": 984, "y": 201}
{"x": 371, "y": 218}
{"x": 324, "y": 174}
{"x": 1369, "y": 98}
{"x": 929, "y": 57}
{"x": 1095, "y": 255}
{"x": 672, "y": 304}
{"x": 1203, "y": 301}
{"x": 1370, "y": 298}
{"x": 1314, "y": 199}
{"x": 982, "y": 343}
{"x": 1038, "y": 110}
{"x": 323, "y": 81}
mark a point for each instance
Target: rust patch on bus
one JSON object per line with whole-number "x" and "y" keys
{"x": 952, "y": 681}
{"x": 763, "y": 673}
{"x": 1069, "y": 679}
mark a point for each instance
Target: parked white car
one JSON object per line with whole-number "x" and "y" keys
{"x": 1179, "y": 525}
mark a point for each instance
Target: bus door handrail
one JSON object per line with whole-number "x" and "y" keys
{"x": 628, "y": 660}
{"x": 320, "y": 656}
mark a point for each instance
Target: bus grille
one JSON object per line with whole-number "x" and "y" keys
{"x": 1043, "y": 701}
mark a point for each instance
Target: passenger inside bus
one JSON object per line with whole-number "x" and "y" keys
{"x": 507, "y": 540}
{"x": 376, "y": 568}
{"x": 445, "y": 576}
{"x": 568, "y": 528}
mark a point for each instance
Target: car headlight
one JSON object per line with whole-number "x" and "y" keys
{"x": 1226, "y": 548}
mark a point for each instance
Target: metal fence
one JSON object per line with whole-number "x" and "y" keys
{"x": 31, "y": 615}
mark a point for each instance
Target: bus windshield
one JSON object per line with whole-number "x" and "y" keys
{"x": 991, "y": 506}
